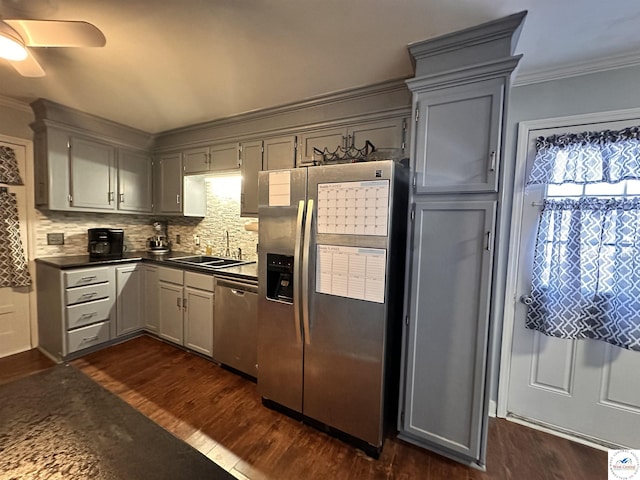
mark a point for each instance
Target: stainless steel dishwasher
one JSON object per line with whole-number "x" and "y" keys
{"x": 235, "y": 324}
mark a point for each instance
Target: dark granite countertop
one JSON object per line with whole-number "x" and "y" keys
{"x": 247, "y": 271}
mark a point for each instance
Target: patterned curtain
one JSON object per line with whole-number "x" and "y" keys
{"x": 14, "y": 271}
{"x": 586, "y": 271}
{"x": 589, "y": 157}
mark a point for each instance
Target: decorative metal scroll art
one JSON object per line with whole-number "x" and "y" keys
{"x": 14, "y": 271}
{"x": 350, "y": 154}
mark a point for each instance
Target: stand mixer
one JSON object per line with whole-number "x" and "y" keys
{"x": 159, "y": 243}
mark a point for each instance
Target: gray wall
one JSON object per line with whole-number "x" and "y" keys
{"x": 597, "y": 92}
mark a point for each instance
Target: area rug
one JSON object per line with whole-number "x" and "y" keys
{"x": 60, "y": 424}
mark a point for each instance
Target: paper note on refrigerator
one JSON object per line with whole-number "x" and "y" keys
{"x": 351, "y": 272}
{"x": 279, "y": 189}
{"x": 354, "y": 208}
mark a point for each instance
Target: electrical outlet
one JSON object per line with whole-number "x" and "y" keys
{"x": 196, "y": 240}
{"x": 55, "y": 238}
{"x": 178, "y": 239}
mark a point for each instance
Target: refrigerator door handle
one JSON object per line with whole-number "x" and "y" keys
{"x": 297, "y": 254}
{"x": 305, "y": 272}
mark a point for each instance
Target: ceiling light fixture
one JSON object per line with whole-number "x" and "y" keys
{"x": 11, "y": 45}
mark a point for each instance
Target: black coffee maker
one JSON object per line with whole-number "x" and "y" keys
{"x": 105, "y": 243}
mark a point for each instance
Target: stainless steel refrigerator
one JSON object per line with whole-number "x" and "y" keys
{"x": 331, "y": 273}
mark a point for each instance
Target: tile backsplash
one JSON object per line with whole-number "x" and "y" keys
{"x": 223, "y": 215}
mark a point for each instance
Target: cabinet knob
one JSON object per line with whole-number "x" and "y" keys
{"x": 526, "y": 299}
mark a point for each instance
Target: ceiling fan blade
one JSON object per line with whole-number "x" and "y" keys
{"x": 58, "y": 33}
{"x": 29, "y": 67}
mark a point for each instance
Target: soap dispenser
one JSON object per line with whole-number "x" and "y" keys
{"x": 208, "y": 249}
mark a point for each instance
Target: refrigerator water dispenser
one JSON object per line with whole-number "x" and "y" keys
{"x": 280, "y": 277}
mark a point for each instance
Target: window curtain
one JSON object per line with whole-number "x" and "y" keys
{"x": 586, "y": 268}
{"x": 609, "y": 156}
{"x": 14, "y": 270}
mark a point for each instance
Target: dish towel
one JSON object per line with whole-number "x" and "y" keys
{"x": 14, "y": 271}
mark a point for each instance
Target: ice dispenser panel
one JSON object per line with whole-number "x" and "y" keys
{"x": 280, "y": 277}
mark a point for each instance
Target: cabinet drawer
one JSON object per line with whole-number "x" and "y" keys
{"x": 87, "y": 337}
{"x": 171, "y": 275}
{"x": 198, "y": 280}
{"x": 86, "y": 294}
{"x": 90, "y": 312}
{"x": 89, "y": 276}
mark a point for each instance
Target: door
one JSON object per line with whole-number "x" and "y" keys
{"x": 279, "y": 153}
{"x": 224, "y": 157}
{"x": 15, "y": 321}
{"x": 151, "y": 291}
{"x": 196, "y": 160}
{"x": 584, "y": 387}
{"x": 128, "y": 305}
{"x": 445, "y": 349}
{"x": 92, "y": 172}
{"x": 279, "y": 331}
{"x": 134, "y": 181}
{"x": 169, "y": 179}
{"x": 171, "y": 312}
{"x": 251, "y": 165}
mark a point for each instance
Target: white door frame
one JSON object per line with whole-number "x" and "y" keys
{"x": 28, "y": 179}
{"x": 524, "y": 129}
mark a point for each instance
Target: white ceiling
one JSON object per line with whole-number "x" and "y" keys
{"x": 170, "y": 63}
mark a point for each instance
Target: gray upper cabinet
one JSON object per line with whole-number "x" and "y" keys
{"x": 213, "y": 158}
{"x": 92, "y": 167}
{"x": 251, "y": 164}
{"x": 196, "y": 160}
{"x": 442, "y": 401}
{"x": 458, "y": 138}
{"x": 169, "y": 183}
{"x": 383, "y": 134}
{"x": 279, "y": 153}
{"x": 135, "y": 180}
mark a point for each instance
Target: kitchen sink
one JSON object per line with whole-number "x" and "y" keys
{"x": 209, "y": 261}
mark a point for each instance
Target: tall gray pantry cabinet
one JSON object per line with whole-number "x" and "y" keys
{"x": 460, "y": 95}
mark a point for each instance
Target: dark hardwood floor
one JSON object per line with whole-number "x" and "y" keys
{"x": 22, "y": 364}
{"x": 220, "y": 414}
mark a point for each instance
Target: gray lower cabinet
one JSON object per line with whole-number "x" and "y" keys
{"x": 445, "y": 342}
{"x": 76, "y": 309}
{"x": 92, "y": 172}
{"x": 198, "y": 303}
{"x": 129, "y": 293}
{"x": 458, "y": 141}
{"x": 151, "y": 298}
{"x": 135, "y": 181}
{"x": 170, "y": 304}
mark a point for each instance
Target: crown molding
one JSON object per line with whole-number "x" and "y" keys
{"x": 15, "y": 104}
{"x": 611, "y": 62}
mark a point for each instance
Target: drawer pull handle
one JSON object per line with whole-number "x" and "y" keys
{"x": 89, "y": 295}
{"x": 87, "y": 278}
{"x": 239, "y": 293}
{"x": 88, "y": 315}
{"x": 90, "y": 339}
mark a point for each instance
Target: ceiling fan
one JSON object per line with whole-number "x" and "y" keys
{"x": 17, "y": 35}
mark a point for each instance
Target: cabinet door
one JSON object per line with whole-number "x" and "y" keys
{"x": 457, "y": 138}
{"x": 326, "y": 138}
{"x": 169, "y": 178}
{"x": 382, "y": 135}
{"x": 196, "y": 160}
{"x": 170, "y": 314}
{"x": 224, "y": 157}
{"x": 92, "y": 174}
{"x": 251, "y": 165}
{"x": 279, "y": 153}
{"x": 198, "y": 321}
{"x": 134, "y": 181}
{"x": 445, "y": 343}
{"x": 151, "y": 313}
{"x": 128, "y": 295}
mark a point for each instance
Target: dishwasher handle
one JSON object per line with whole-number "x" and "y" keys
{"x": 237, "y": 288}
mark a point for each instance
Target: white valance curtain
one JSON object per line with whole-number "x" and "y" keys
{"x": 586, "y": 269}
